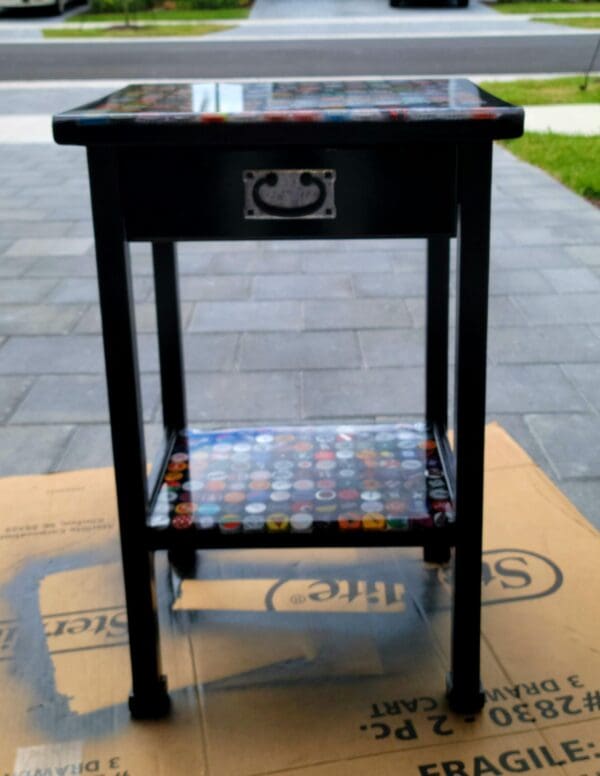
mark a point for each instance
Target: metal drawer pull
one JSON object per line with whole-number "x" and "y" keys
{"x": 289, "y": 194}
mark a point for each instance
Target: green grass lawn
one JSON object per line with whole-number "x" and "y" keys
{"x": 574, "y": 160}
{"x": 587, "y": 22}
{"x": 546, "y": 6}
{"x": 551, "y": 91}
{"x": 160, "y": 14}
{"x": 147, "y": 31}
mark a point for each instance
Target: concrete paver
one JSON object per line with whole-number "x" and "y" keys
{"x": 50, "y": 355}
{"x": 526, "y": 388}
{"x": 45, "y": 246}
{"x": 12, "y": 390}
{"x": 74, "y": 398}
{"x": 73, "y": 290}
{"x": 393, "y": 347}
{"x": 88, "y": 447}
{"x": 563, "y": 437}
{"x": 544, "y": 344}
{"x": 567, "y": 281}
{"x": 379, "y": 285}
{"x": 514, "y": 281}
{"x": 247, "y": 316}
{"x": 362, "y": 393}
{"x": 210, "y": 352}
{"x": 38, "y": 319}
{"x": 32, "y": 448}
{"x": 356, "y": 314}
{"x": 554, "y": 308}
{"x": 587, "y": 254}
{"x": 145, "y": 318}
{"x": 226, "y": 397}
{"x": 215, "y": 287}
{"x": 300, "y": 350}
{"x": 520, "y": 257}
{"x": 259, "y": 263}
{"x": 586, "y": 378}
{"x": 355, "y": 261}
{"x": 26, "y": 290}
{"x": 329, "y": 286}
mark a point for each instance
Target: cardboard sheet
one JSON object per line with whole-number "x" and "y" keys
{"x": 313, "y": 663}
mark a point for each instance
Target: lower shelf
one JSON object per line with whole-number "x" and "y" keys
{"x": 302, "y": 486}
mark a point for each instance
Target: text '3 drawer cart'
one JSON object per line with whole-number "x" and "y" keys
{"x": 300, "y": 160}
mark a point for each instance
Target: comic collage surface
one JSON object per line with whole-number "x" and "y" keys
{"x": 303, "y": 100}
{"x": 304, "y": 479}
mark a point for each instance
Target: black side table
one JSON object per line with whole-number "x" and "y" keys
{"x": 301, "y": 160}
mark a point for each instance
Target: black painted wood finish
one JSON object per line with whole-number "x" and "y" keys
{"x": 167, "y": 163}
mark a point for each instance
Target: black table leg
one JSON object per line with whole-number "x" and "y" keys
{"x": 438, "y": 278}
{"x": 149, "y": 695}
{"x": 436, "y": 360}
{"x": 475, "y": 170}
{"x": 170, "y": 345}
{"x": 172, "y": 371}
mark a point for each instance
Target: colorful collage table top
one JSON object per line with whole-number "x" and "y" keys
{"x": 368, "y": 100}
{"x": 304, "y": 479}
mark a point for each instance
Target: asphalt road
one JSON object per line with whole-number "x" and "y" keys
{"x": 190, "y": 59}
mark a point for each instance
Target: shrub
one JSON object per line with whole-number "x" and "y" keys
{"x": 213, "y": 4}
{"x": 121, "y": 6}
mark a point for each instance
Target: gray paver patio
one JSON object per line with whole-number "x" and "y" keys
{"x": 243, "y": 397}
{"x": 529, "y": 387}
{"x": 554, "y": 308}
{"x": 295, "y": 332}
{"x": 88, "y": 447}
{"x": 363, "y": 393}
{"x": 26, "y": 290}
{"x": 32, "y": 448}
{"x": 544, "y": 345}
{"x": 356, "y": 314}
{"x": 572, "y": 280}
{"x": 247, "y": 316}
{"x": 571, "y": 442}
{"x": 300, "y": 350}
{"x": 76, "y": 399}
{"x": 38, "y": 319}
{"x": 380, "y": 285}
{"x": 327, "y": 286}
{"x": 12, "y": 390}
{"x": 392, "y": 347}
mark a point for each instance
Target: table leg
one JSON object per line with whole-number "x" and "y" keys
{"x": 170, "y": 346}
{"x": 172, "y": 371}
{"x": 438, "y": 279}
{"x": 475, "y": 170}
{"x": 149, "y": 696}
{"x": 436, "y": 361}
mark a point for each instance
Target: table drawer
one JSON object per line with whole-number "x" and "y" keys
{"x": 193, "y": 194}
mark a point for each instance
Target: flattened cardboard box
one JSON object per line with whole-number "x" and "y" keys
{"x": 308, "y": 662}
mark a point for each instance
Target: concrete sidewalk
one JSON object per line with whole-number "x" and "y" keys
{"x": 295, "y": 332}
{"x": 20, "y": 128}
{"x": 563, "y": 119}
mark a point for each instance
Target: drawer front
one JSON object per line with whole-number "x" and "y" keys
{"x": 192, "y": 194}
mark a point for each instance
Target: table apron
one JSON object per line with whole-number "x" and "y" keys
{"x": 190, "y": 193}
